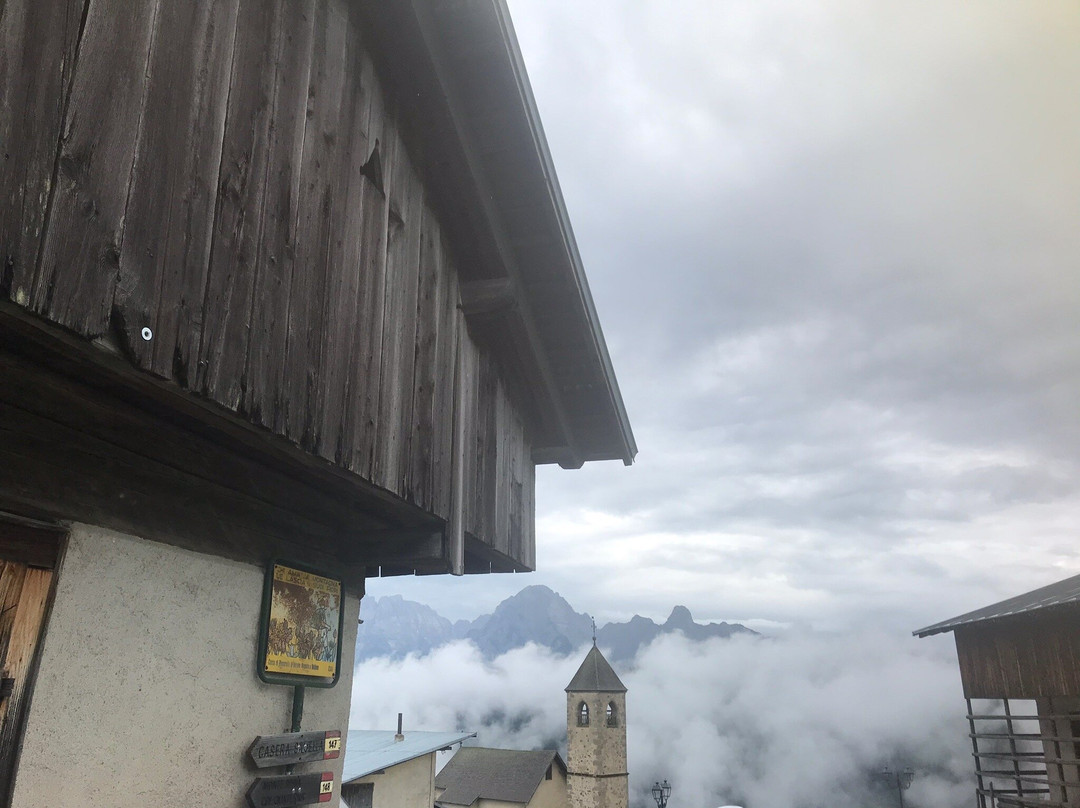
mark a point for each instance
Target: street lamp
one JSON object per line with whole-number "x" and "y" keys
{"x": 660, "y": 793}
{"x": 902, "y": 780}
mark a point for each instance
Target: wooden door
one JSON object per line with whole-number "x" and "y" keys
{"x": 27, "y": 556}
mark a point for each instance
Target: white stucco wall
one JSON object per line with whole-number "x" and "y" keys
{"x": 407, "y": 785}
{"x": 551, "y": 793}
{"x": 147, "y": 692}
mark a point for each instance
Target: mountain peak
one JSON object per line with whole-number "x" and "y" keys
{"x": 680, "y": 617}
{"x": 536, "y": 592}
{"x": 536, "y": 614}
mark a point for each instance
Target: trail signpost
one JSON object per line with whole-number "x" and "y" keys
{"x": 287, "y": 790}
{"x": 300, "y": 632}
{"x": 295, "y": 747}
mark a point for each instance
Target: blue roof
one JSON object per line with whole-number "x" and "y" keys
{"x": 371, "y": 750}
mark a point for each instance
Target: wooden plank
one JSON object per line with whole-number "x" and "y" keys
{"x": 205, "y": 461}
{"x": 468, "y": 401}
{"x": 521, "y": 527}
{"x": 170, "y": 210}
{"x": 38, "y": 39}
{"x": 1053, "y": 652}
{"x": 443, "y": 422}
{"x": 30, "y": 339}
{"x": 1071, "y": 645}
{"x": 362, "y": 412}
{"x": 503, "y": 483}
{"x": 528, "y": 512}
{"x": 63, "y": 472}
{"x": 456, "y": 522}
{"x": 420, "y": 468}
{"x": 306, "y": 323}
{"x": 272, "y": 284}
{"x": 406, "y": 196}
{"x": 12, "y": 576}
{"x": 366, "y": 365}
{"x": 344, "y": 285}
{"x": 487, "y": 446}
{"x": 49, "y": 466}
{"x": 235, "y": 254}
{"x": 503, "y": 480}
{"x": 85, "y": 223}
{"x": 17, "y": 656}
{"x": 509, "y": 506}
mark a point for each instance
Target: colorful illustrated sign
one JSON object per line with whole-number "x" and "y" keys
{"x": 301, "y": 631}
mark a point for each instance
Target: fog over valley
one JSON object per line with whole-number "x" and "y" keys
{"x": 799, "y": 719}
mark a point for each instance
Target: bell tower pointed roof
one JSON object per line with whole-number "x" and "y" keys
{"x": 595, "y": 676}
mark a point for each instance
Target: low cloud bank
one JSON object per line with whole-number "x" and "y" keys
{"x": 801, "y": 721}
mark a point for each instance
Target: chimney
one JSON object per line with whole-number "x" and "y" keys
{"x": 399, "y": 737}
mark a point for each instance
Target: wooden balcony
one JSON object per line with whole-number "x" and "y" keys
{"x": 1024, "y": 757}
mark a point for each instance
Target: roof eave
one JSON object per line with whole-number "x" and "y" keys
{"x": 429, "y": 57}
{"x": 543, "y": 154}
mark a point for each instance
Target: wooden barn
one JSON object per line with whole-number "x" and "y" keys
{"x": 1020, "y": 669}
{"x": 279, "y": 279}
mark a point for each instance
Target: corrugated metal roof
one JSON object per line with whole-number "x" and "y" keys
{"x": 493, "y": 774}
{"x": 595, "y": 676}
{"x": 370, "y": 750}
{"x": 1058, "y": 594}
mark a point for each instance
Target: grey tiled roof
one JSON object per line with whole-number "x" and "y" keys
{"x": 493, "y": 774}
{"x": 1060, "y": 594}
{"x": 595, "y": 676}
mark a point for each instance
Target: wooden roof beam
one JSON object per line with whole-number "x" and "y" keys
{"x": 487, "y": 297}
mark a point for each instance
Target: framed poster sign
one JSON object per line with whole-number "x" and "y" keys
{"x": 300, "y": 627}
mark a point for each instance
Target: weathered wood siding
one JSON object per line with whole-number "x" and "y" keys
{"x": 223, "y": 187}
{"x": 1025, "y": 657}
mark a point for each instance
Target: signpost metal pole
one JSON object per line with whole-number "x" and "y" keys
{"x": 297, "y": 708}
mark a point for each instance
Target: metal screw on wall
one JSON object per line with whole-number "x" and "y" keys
{"x": 660, "y": 793}
{"x": 902, "y": 780}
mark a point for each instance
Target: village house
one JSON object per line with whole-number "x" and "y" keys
{"x": 477, "y": 777}
{"x": 387, "y": 769}
{"x": 1020, "y": 670}
{"x": 289, "y": 297}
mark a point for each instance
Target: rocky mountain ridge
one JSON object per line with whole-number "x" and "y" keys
{"x": 394, "y": 627}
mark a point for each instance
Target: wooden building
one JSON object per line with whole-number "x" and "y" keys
{"x": 1020, "y": 669}
{"x": 278, "y": 278}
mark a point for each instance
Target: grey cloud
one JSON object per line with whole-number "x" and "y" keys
{"x": 835, "y": 247}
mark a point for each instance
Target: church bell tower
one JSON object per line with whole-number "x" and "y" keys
{"x": 596, "y": 774}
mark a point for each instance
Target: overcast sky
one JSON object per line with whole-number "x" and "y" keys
{"x": 835, "y": 250}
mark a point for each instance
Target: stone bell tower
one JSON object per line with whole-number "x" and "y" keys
{"x": 596, "y": 774}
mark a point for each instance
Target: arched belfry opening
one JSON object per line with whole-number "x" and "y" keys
{"x": 583, "y": 715}
{"x": 612, "y": 714}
